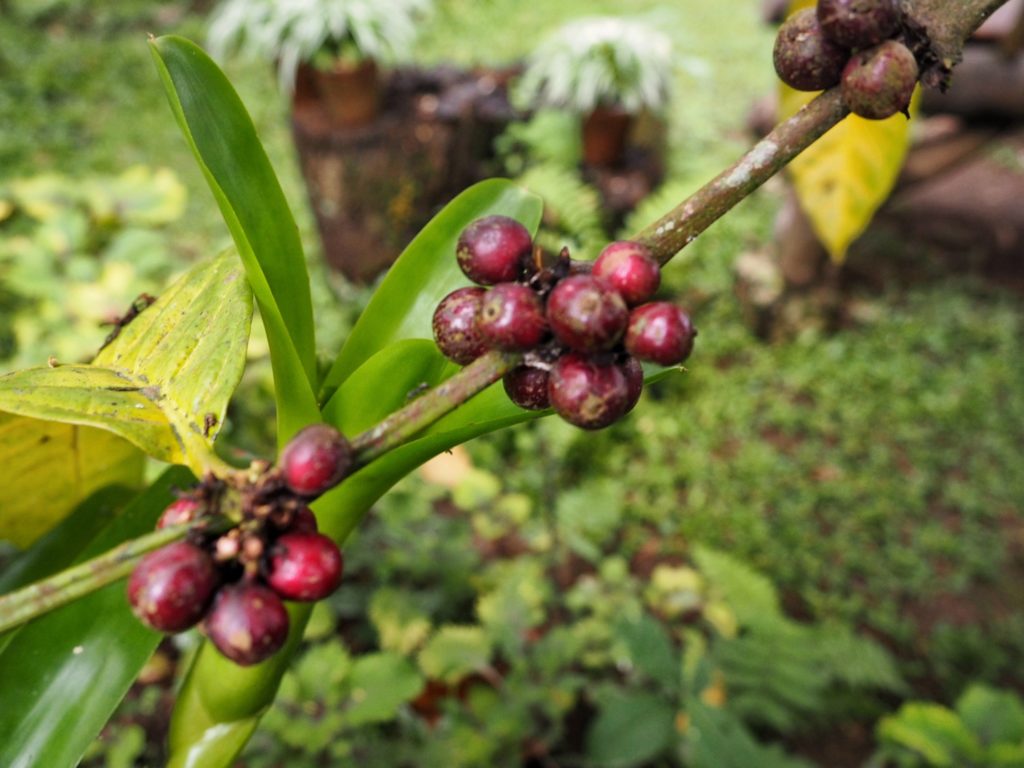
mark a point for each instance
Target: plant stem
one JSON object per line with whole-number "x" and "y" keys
{"x": 36, "y": 599}
{"x": 437, "y": 402}
{"x": 680, "y": 226}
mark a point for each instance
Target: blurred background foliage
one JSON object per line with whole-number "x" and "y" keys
{"x": 781, "y": 546}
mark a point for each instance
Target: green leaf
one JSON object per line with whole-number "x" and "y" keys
{"x": 715, "y": 738}
{"x": 63, "y": 674}
{"x": 379, "y": 684}
{"x": 384, "y": 383}
{"x": 750, "y": 595}
{"x": 455, "y": 652}
{"x": 630, "y": 729}
{"x": 932, "y": 732}
{"x": 56, "y": 550}
{"x": 994, "y": 716}
{"x": 224, "y": 141}
{"x": 401, "y": 622}
{"x": 651, "y": 650}
{"x": 165, "y": 381}
{"x": 48, "y": 468}
{"x": 403, "y": 305}
{"x": 845, "y": 176}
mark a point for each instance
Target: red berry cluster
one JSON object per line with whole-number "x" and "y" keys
{"x": 849, "y": 43}
{"x": 235, "y": 582}
{"x": 584, "y": 328}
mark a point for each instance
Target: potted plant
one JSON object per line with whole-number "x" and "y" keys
{"x": 325, "y": 48}
{"x": 605, "y": 69}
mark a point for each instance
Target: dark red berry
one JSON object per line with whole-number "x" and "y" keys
{"x": 179, "y": 512}
{"x": 304, "y": 566}
{"x": 635, "y": 379}
{"x": 586, "y": 314}
{"x": 171, "y": 588}
{"x": 804, "y": 58}
{"x": 248, "y": 623}
{"x": 455, "y": 325}
{"x": 878, "y": 82}
{"x": 630, "y": 269}
{"x": 303, "y": 521}
{"x": 494, "y": 249}
{"x": 858, "y": 23}
{"x": 660, "y": 333}
{"x": 586, "y": 392}
{"x": 316, "y": 459}
{"x": 512, "y": 318}
{"x": 527, "y": 387}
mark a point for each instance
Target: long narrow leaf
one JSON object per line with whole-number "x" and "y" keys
{"x": 224, "y": 141}
{"x": 63, "y": 674}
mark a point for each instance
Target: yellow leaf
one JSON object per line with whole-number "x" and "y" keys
{"x": 842, "y": 179}
{"x": 165, "y": 381}
{"x": 47, "y": 468}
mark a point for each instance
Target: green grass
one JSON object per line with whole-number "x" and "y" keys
{"x": 874, "y": 475}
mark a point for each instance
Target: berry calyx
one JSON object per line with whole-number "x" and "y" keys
{"x": 630, "y": 269}
{"x": 247, "y": 623}
{"x": 804, "y": 57}
{"x": 586, "y": 314}
{"x": 660, "y": 333}
{"x": 316, "y": 459}
{"x": 455, "y": 325}
{"x": 588, "y": 393}
{"x": 179, "y": 512}
{"x": 494, "y": 249}
{"x": 879, "y": 82}
{"x": 512, "y": 318}
{"x": 171, "y": 588}
{"x": 527, "y": 387}
{"x": 304, "y": 566}
{"x": 858, "y": 24}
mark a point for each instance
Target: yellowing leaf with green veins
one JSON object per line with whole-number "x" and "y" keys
{"x": 165, "y": 381}
{"x": 845, "y": 176}
{"x": 47, "y": 468}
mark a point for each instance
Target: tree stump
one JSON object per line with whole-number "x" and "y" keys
{"x": 373, "y": 188}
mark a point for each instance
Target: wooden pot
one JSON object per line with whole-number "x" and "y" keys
{"x": 350, "y": 92}
{"x": 605, "y": 131}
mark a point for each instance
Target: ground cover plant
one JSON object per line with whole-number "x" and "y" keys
{"x": 439, "y": 667}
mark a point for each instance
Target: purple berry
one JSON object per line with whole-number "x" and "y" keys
{"x": 660, "y": 333}
{"x": 304, "y": 566}
{"x": 304, "y": 521}
{"x": 171, "y": 588}
{"x": 588, "y": 393}
{"x": 630, "y": 269}
{"x": 634, "y": 373}
{"x": 878, "y": 82}
{"x": 527, "y": 387}
{"x": 179, "y": 512}
{"x": 586, "y": 314}
{"x": 512, "y": 318}
{"x": 804, "y": 58}
{"x": 455, "y": 325}
{"x": 494, "y": 249}
{"x": 316, "y": 459}
{"x": 858, "y": 24}
{"x": 248, "y": 623}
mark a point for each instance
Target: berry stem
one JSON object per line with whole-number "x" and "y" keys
{"x": 431, "y": 406}
{"x": 42, "y": 596}
{"x": 680, "y": 226}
